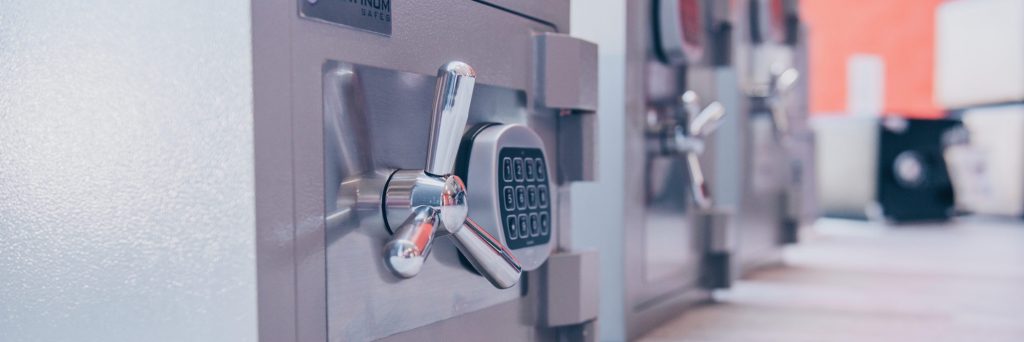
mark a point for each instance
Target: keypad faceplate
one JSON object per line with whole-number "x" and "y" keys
{"x": 525, "y": 197}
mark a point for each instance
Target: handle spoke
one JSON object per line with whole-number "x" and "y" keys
{"x": 489, "y": 256}
{"x": 708, "y": 120}
{"x": 405, "y": 253}
{"x": 697, "y": 183}
{"x": 454, "y": 90}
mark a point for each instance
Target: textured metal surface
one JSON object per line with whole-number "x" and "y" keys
{"x": 572, "y": 297}
{"x": 577, "y": 147}
{"x": 126, "y": 171}
{"x": 568, "y": 72}
{"x": 552, "y": 12}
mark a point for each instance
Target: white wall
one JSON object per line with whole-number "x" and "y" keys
{"x": 597, "y": 206}
{"x": 126, "y": 171}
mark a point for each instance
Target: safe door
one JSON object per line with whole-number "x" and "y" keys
{"x": 417, "y": 158}
{"x": 675, "y": 235}
{"x": 776, "y": 143}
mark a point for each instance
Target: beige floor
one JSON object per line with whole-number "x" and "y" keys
{"x": 857, "y": 281}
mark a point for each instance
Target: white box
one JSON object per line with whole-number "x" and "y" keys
{"x": 979, "y": 52}
{"x": 997, "y": 133}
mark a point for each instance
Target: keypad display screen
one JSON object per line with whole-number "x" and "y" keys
{"x": 525, "y": 197}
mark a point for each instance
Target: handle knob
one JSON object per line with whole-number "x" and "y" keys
{"x": 437, "y": 198}
{"x": 782, "y": 85}
{"x": 702, "y": 123}
{"x": 785, "y": 80}
{"x": 408, "y": 248}
{"x": 454, "y": 90}
{"x": 488, "y": 256}
{"x": 698, "y": 186}
{"x": 708, "y": 120}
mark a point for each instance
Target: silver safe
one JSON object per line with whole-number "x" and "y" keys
{"x": 772, "y": 188}
{"x": 430, "y": 160}
{"x": 674, "y": 243}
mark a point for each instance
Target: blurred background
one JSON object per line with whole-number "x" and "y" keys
{"x": 897, "y": 152}
{"x": 918, "y": 112}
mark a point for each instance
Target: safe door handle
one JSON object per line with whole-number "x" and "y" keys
{"x": 432, "y": 202}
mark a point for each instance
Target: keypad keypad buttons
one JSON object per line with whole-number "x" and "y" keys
{"x": 542, "y": 172}
{"x": 542, "y": 196}
{"x": 506, "y": 169}
{"x": 517, "y": 169}
{"x": 531, "y": 197}
{"x": 525, "y": 206}
{"x": 524, "y": 225}
{"x": 513, "y": 227}
{"x": 521, "y": 197}
{"x": 534, "y": 225}
{"x": 531, "y": 170}
{"x": 508, "y": 198}
{"x": 545, "y": 224}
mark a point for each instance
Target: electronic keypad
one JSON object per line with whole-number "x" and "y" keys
{"x": 507, "y": 170}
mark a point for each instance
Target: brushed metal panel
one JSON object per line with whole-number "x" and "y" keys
{"x": 552, "y": 12}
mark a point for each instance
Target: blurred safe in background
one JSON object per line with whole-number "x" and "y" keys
{"x": 764, "y": 153}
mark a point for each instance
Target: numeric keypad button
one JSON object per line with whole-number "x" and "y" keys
{"x": 517, "y": 169}
{"x": 542, "y": 172}
{"x": 506, "y": 169}
{"x": 531, "y": 196}
{"x": 524, "y": 226}
{"x": 512, "y": 224}
{"x": 542, "y": 196}
{"x": 545, "y": 224}
{"x": 508, "y": 198}
{"x": 534, "y": 225}
{"x": 531, "y": 169}
{"x": 521, "y": 197}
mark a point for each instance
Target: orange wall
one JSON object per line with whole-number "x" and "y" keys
{"x": 900, "y": 31}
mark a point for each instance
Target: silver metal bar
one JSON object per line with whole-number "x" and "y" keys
{"x": 405, "y": 253}
{"x": 783, "y": 84}
{"x": 785, "y": 81}
{"x": 708, "y": 120}
{"x": 698, "y": 185}
{"x": 453, "y": 93}
{"x": 492, "y": 259}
